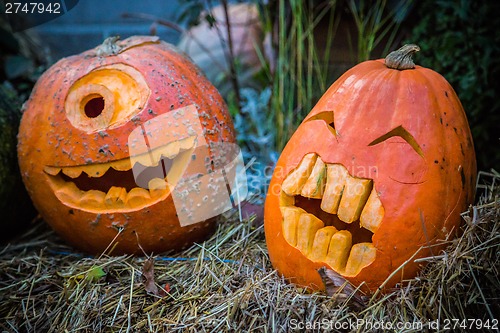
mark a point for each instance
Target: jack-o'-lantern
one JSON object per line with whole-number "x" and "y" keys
{"x": 375, "y": 177}
{"x": 74, "y": 144}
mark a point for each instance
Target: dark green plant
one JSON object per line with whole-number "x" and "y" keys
{"x": 377, "y": 22}
{"x": 461, "y": 40}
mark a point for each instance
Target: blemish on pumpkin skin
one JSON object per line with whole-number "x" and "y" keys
{"x": 96, "y": 220}
{"x": 136, "y": 119}
{"x": 104, "y": 150}
{"x": 462, "y": 176}
{"x": 408, "y": 183}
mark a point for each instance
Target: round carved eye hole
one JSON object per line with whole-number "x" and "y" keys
{"x": 94, "y": 107}
{"x": 106, "y": 98}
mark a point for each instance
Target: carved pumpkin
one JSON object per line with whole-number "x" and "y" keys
{"x": 381, "y": 167}
{"x": 75, "y": 154}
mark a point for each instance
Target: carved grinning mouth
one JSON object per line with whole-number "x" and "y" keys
{"x": 330, "y": 216}
{"x": 112, "y": 187}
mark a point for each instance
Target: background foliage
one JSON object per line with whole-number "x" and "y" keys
{"x": 461, "y": 40}
{"x": 458, "y": 38}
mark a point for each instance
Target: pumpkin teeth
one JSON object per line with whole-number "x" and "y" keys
{"x": 117, "y": 198}
{"x": 362, "y": 255}
{"x": 171, "y": 150}
{"x": 293, "y": 184}
{"x": 158, "y": 188}
{"x": 52, "y": 170}
{"x": 152, "y": 158}
{"x": 321, "y": 243}
{"x": 350, "y": 198}
{"x": 122, "y": 165}
{"x": 72, "y": 172}
{"x": 354, "y": 196}
{"x": 315, "y": 184}
{"x": 336, "y": 176}
{"x": 92, "y": 199}
{"x": 138, "y": 197}
{"x": 338, "y": 250}
{"x": 306, "y": 230}
{"x": 373, "y": 213}
{"x": 96, "y": 170}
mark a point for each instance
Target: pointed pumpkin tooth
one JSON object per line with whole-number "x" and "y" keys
{"x": 51, "y": 170}
{"x": 68, "y": 192}
{"x": 291, "y": 217}
{"x": 356, "y": 192}
{"x": 338, "y": 250}
{"x": 96, "y": 170}
{"x": 72, "y": 172}
{"x": 116, "y": 197}
{"x": 315, "y": 184}
{"x": 294, "y": 182}
{"x": 92, "y": 199}
{"x": 188, "y": 143}
{"x": 122, "y": 165}
{"x": 138, "y": 197}
{"x": 157, "y": 188}
{"x": 321, "y": 243}
{"x": 373, "y": 213}
{"x": 336, "y": 175}
{"x": 178, "y": 166}
{"x": 145, "y": 159}
{"x": 362, "y": 255}
{"x": 286, "y": 200}
{"x": 169, "y": 151}
{"x": 157, "y": 184}
{"x": 306, "y": 230}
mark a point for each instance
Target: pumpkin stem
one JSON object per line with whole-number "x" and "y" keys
{"x": 109, "y": 47}
{"x": 402, "y": 58}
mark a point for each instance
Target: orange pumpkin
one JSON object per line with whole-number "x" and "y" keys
{"x": 74, "y": 149}
{"x": 379, "y": 170}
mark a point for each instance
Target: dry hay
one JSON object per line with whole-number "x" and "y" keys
{"x": 228, "y": 284}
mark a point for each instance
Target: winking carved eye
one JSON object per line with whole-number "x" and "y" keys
{"x": 402, "y": 133}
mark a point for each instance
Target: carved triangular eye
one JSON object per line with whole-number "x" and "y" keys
{"x": 327, "y": 117}
{"x": 402, "y": 133}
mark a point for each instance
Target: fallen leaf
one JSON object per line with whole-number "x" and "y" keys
{"x": 338, "y": 287}
{"x": 148, "y": 272}
{"x": 95, "y": 274}
{"x": 249, "y": 209}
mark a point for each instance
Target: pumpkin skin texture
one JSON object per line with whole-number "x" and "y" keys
{"x": 402, "y": 134}
{"x": 75, "y": 130}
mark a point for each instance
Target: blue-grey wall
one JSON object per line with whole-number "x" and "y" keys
{"x": 91, "y": 21}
